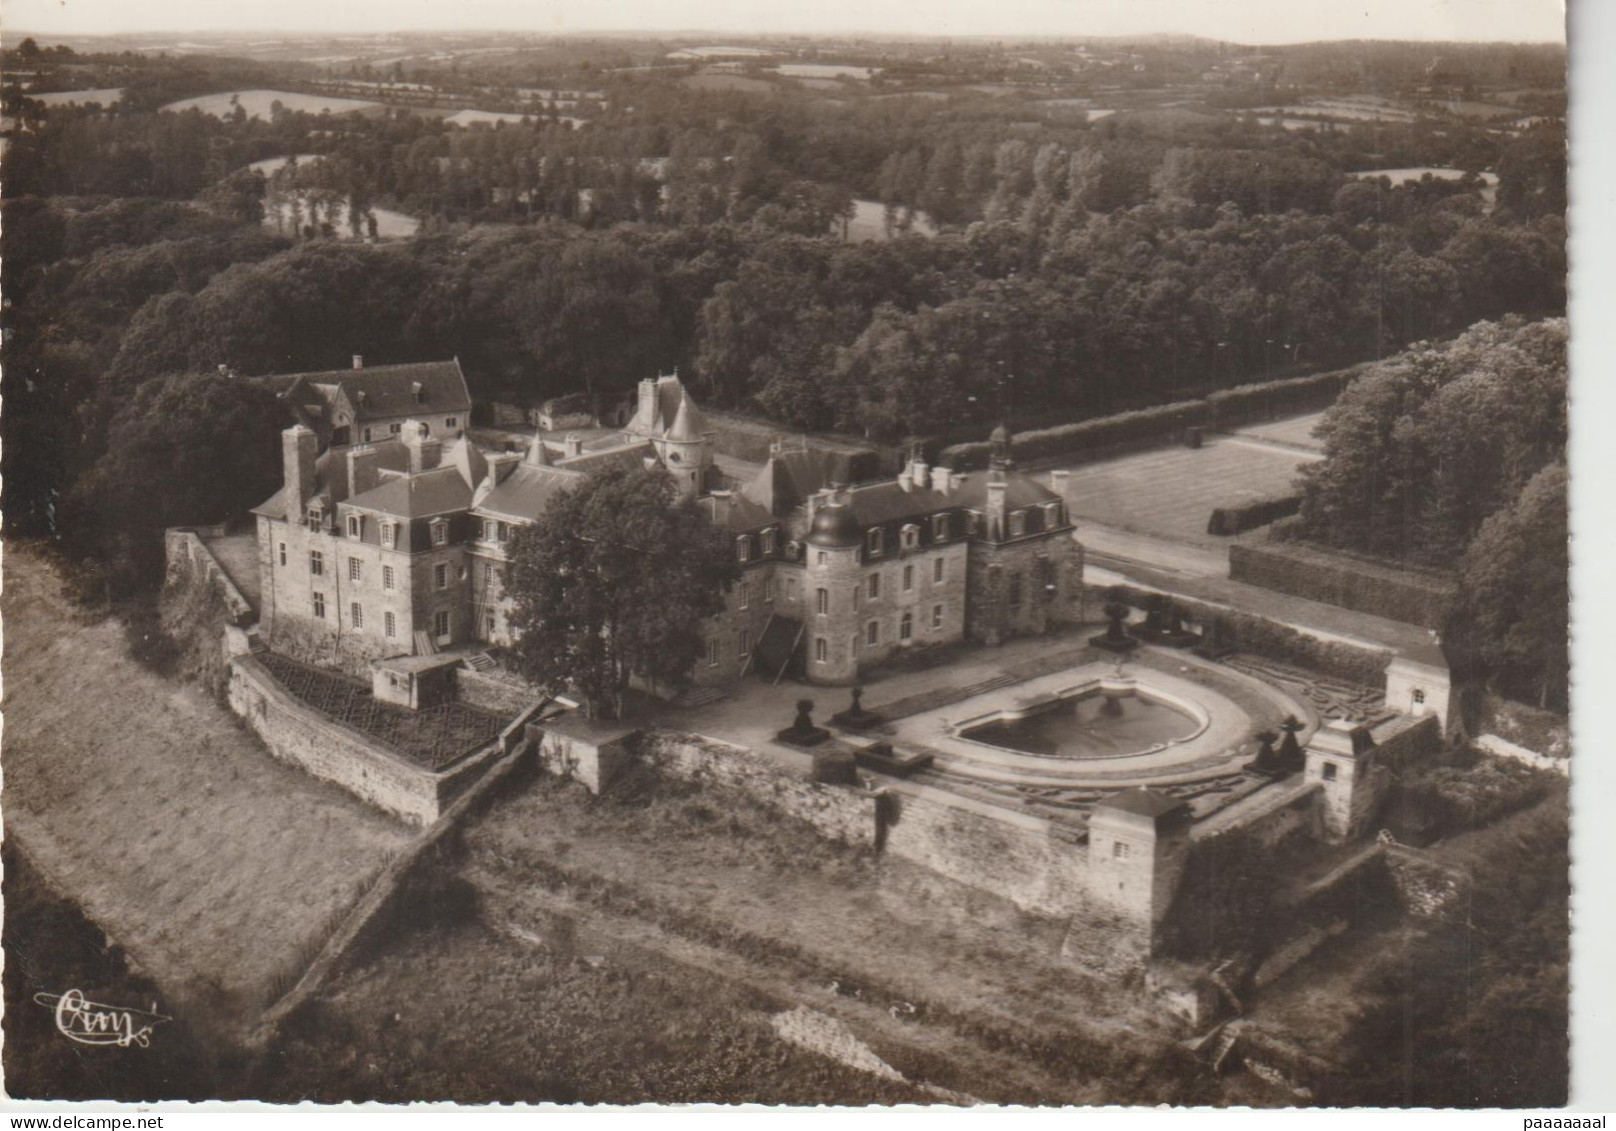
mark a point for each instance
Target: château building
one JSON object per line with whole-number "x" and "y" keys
{"x": 397, "y": 545}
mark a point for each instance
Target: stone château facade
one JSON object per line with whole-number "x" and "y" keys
{"x": 397, "y": 546}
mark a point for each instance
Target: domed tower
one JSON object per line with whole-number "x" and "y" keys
{"x": 831, "y": 606}
{"x": 685, "y": 450}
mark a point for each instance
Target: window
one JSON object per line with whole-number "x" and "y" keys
{"x": 490, "y": 623}
{"x": 390, "y": 535}
{"x": 875, "y": 540}
{"x": 745, "y": 601}
{"x": 712, "y": 653}
{"x": 872, "y": 633}
{"x": 283, "y": 553}
{"x": 822, "y": 558}
{"x": 743, "y": 548}
{"x": 936, "y": 616}
{"x": 450, "y": 422}
{"x": 426, "y": 429}
{"x": 356, "y": 615}
{"x": 316, "y": 563}
{"x": 316, "y": 515}
{"x": 319, "y": 605}
{"x": 1015, "y": 589}
{"x": 389, "y": 625}
{"x": 356, "y": 526}
{"x": 1329, "y": 771}
{"x": 394, "y": 429}
{"x": 743, "y": 643}
{"x": 768, "y": 542}
{"x": 503, "y": 529}
{"x": 387, "y": 577}
{"x": 490, "y": 575}
{"x": 356, "y": 569}
{"x": 822, "y": 606}
{"x": 908, "y": 578}
{"x": 440, "y": 623}
{"x": 1419, "y": 696}
{"x": 874, "y": 583}
{"x": 821, "y": 648}
{"x": 490, "y": 529}
{"x": 768, "y": 590}
{"x": 1018, "y": 523}
{"x": 938, "y": 565}
{"x": 1052, "y": 515}
{"x": 1119, "y": 850}
{"x": 440, "y": 576}
{"x": 440, "y": 532}
{"x": 911, "y": 536}
{"x": 791, "y": 589}
{"x": 367, "y": 435}
{"x": 939, "y": 527}
{"x": 906, "y": 628}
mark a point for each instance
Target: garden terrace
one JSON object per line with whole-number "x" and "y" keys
{"x": 434, "y": 738}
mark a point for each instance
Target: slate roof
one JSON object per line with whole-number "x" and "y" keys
{"x": 526, "y": 490}
{"x": 442, "y": 490}
{"x": 385, "y": 391}
{"x": 744, "y": 515}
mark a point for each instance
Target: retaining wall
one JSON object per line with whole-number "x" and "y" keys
{"x": 299, "y": 735}
{"x": 184, "y": 545}
{"x": 844, "y": 813}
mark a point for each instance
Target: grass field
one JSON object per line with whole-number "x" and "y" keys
{"x": 162, "y": 816}
{"x": 1171, "y": 492}
{"x": 103, "y": 97}
{"x": 260, "y": 103}
{"x": 1294, "y": 430}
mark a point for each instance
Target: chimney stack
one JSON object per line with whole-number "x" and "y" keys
{"x": 573, "y": 445}
{"x": 722, "y": 502}
{"x": 299, "y": 448}
{"x": 425, "y": 451}
{"x": 941, "y": 479}
{"x": 358, "y": 361}
{"x": 997, "y": 526}
{"x": 1058, "y": 480}
{"x": 363, "y": 473}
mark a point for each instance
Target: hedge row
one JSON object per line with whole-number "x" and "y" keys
{"x": 1249, "y": 516}
{"x": 1105, "y": 432}
{"x": 1246, "y": 632}
{"x": 1104, "y": 435}
{"x": 1377, "y": 588}
{"x": 1228, "y": 407}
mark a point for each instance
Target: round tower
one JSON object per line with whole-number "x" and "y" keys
{"x": 685, "y": 450}
{"x": 833, "y": 576}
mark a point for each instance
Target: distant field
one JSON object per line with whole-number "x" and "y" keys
{"x": 260, "y": 103}
{"x": 1171, "y": 492}
{"x": 869, "y": 223}
{"x": 824, "y": 71}
{"x": 107, "y": 96}
{"x": 471, "y": 117}
{"x": 727, "y": 82}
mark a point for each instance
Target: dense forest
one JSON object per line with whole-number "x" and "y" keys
{"x": 1048, "y": 269}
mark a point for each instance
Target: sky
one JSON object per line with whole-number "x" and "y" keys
{"x": 1242, "y": 21}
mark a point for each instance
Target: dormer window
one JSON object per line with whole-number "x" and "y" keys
{"x": 316, "y": 514}
{"x": 875, "y": 540}
{"x": 1052, "y": 515}
{"x": 356, "y": 526}
{"x": 503, "y": 530}
{"x": 489, "y": 530}
{"x": 440, "y": 532}
{"x": 743, "y": 548}
{"x": 911, "y": 536}
{"x": 768, "y": 542}
{"x": 939, "y": 527}
{"x": 390, "y": 535}
{"x": 418, "y": 391}
{"x": 1018, "y": 523}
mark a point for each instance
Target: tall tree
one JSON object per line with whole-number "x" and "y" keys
{"x": 615, "y": 579}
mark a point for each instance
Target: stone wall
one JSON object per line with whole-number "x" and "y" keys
{"x": 185, "y": 550}
{"x": 501, "y": 693}
{"x": 842, "y": 813}
{"x": 296, "y": 734}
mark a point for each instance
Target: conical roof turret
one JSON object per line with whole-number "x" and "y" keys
{"x": 687, "y": 423}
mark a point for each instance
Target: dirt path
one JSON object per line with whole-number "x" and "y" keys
{"x": 217, "y": 868}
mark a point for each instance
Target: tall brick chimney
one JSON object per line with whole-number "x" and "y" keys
{"x": 358, "y": 361}
{"x": 363, "y": 473}
{"x": 299, "y": 448}
{"x": 425, "y": 451}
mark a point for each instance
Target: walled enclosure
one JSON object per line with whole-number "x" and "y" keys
{"x": 295, "y": 734}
